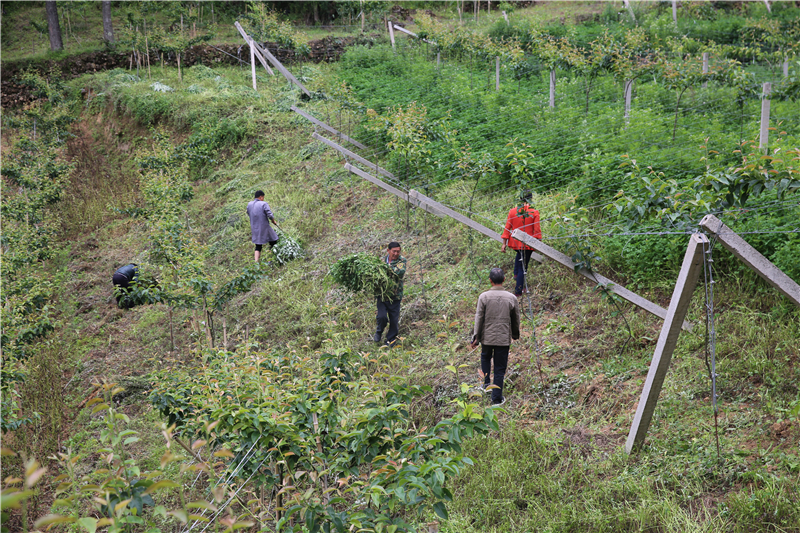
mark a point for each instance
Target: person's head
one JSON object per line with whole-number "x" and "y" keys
{"x": 259, "y": 195}
{"x": 393, "y": 250}
{"x": 497, "y": 276}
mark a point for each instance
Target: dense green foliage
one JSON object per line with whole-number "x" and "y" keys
{"x": 366, "y": 273}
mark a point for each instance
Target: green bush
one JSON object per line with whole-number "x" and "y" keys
{"x": 365, "y": 273}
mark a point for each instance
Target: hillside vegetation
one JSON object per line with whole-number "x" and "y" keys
{"x": 242, "y": 395}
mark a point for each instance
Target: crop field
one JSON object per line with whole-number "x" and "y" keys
{"x": 218, "y": 394}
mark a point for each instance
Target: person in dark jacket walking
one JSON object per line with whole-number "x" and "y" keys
{"x": 389, "y": 311}
{"x": 496, "y": 324}
{"x": 260, "y": 216}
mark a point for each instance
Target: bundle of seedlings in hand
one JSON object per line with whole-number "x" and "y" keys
{"x": 364, "y": 272}
{"x": 287, "y": 248}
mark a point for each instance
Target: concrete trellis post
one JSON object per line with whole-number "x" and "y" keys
{"x": 752, "y": 258}
{"x": 785, "y": 68}
{"x": 763, "y": 141}
{"x": 675, "y": 11}
{"x": 628, "y": 91}
{"x": 505, "y": 16}
{"x": 769, "y": 9}
{"x": 497, "y": 74}
{"x": 253, "y": 64}
{"x": 678, "y": 306}
{"x": 391, "y": 33}
{"x": 553, "y": 88}
{"x": 705, "y": 68}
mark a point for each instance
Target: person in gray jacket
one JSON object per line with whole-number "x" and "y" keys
{"x": 260, "y": 215}
{"x": 496, "y": 324}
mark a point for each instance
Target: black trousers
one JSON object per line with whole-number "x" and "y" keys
{"x": 500, "y": 356}
{"x": 519, "y": 269}
{"x": 388, "y": 312}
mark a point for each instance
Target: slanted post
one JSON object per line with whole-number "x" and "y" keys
{"x": 628, "y": 91}
{"x": 391, "y": 33}
{"x": 675, "y": 12}
{"x": 497, "y": 74}
{"x": 769, "y": 9}
{"x": 553, "y": 88}
{"x": 752, "y": 258}
{"x": 505, "y": 16}
{"x": 763, "y": 141}
{"x": 667, "y": 340}
{"x": 253, "y": 64}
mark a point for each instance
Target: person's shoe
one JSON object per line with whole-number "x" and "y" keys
{"x": 391, "y": 344}
{"x": 485, "y": 388}
{"x": 501, "y": 402}
{"x": 376, "y": 338}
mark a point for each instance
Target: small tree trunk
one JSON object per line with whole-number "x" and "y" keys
{"x": 180, "y": 77}
{"x": 53, "y": 27}
{"x": 677, "y": 105}
{"x": 171, "y": 332}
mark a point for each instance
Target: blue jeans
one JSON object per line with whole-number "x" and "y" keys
{"x": 500, "y": 356}
{"x": 388, "y": 312}
{"x": 519, "y": 269}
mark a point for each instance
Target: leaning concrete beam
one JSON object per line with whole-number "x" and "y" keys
{"x": 464, "y": 220}
{"x": 266, "y": 53}
{"x": 752, "y": 258}
{"x": 352, "y": 155}
{"x": 667, "y": 340}
{"x": 619, "y": 290}
{"x": 328, "y": 128}
{"x": 385, "y": 186}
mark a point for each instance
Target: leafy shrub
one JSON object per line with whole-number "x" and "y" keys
{"x": 362, "y": 272}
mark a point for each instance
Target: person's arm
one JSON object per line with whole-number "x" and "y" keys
{"x": 268, "y": 212}
{"x": 506, "y": 232}
{"x": 477, "y": 334}
{"x": 515, "y": 320}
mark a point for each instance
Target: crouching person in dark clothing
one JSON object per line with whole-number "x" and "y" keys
{"x": 122, "y": 279}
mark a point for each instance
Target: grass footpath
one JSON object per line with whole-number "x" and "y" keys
{"x": 557, "y": 462}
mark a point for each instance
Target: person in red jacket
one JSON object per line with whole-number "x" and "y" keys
{"x": 525, "y": 218}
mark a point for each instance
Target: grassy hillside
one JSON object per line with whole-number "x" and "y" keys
{"x": 294, "y": 375}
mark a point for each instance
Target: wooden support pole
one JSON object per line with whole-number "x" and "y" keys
{"x": 253, "y": 64}
{"x": 497, "y": 74}
{"x": 619, "y": 290}
{"x": 553, "y": 88}
{"x": 628, "y": 91}
{"x": 667, "y": 340}
{"x": 464, "y": 220}
{"x": 752, "y": 258}
{"x": 355, "y": 156}
{"x": 324, "y": 126}
{"x": 763, "y": 140}
{"x": 391, "y": 33}
{"x": 705, "y": 68}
